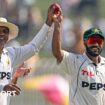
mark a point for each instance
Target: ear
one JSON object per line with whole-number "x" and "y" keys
{"x": 85, "y": 42}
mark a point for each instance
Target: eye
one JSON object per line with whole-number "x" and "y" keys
{"x": 6, "y": 31}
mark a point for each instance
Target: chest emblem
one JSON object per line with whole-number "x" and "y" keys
{"x": 88, "y": 73}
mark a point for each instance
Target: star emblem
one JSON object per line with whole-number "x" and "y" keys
{"x": 96, "y": 31}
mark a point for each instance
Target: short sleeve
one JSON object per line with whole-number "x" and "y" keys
{"x": 68, "y": 62}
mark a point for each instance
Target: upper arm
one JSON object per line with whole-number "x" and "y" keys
{"x": 69, "y": 62}
{"x": 19, "y": 54}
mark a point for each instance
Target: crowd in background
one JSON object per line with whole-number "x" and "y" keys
{"x": 29, "y": 18}
{"x": 24, "y": 14}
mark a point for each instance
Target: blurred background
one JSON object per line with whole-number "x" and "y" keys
{"x": 30, "y": 15}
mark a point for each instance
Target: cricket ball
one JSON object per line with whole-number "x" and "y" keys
{"x": 56, "y": 8}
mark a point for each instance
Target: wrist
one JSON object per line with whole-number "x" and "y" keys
{"x": 57, "y": 25}
{"x": 49, "y": 23}
{"x": 15, "y": 76}
{"x": 14, "y": 80}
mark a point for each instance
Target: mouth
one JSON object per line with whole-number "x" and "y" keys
{"x": 94, "y": 47}
{"x": 94, "y": 50}
{"x": 2, "y": 40}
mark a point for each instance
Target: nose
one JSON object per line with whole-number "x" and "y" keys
{"x": 96, "y": 43}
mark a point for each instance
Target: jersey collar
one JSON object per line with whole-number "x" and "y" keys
{"x": 102, "y": 60}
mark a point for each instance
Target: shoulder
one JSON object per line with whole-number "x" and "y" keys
{"x": 102, "y": 59}
{"x": 75, "y": 56}
{"x": 10, "y": 51}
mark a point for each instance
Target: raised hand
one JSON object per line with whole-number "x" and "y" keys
{"x": 53, "y": 11}
{"x": 57, "y": 33}
{"x": 58, "y": 16}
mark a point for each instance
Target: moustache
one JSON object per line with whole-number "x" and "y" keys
{"x": 94, "y": 47}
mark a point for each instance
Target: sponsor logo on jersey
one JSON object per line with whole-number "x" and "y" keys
{"x": 93, "y": 86}
{"x": 8, "y": 93}
{"x": 5, "y": 75}
{"x": 87, "y": 73}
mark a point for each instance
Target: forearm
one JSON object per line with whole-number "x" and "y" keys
{"x": 56, "y": 42}
{"x": 41, "y": 38}
{"x": 20, "y": 54}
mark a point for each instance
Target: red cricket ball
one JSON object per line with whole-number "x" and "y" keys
{"x": 56, "y": 8}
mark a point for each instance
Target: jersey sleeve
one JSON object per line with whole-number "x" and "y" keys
{"x": 19, "y": 54}
{"x": 1, "y": 88}
{"x": 68, "y": 63}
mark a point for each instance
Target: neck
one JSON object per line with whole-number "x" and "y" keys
{"x": 96, "y": 59}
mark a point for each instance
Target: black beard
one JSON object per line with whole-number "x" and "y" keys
{"x": 93, "y": 53}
